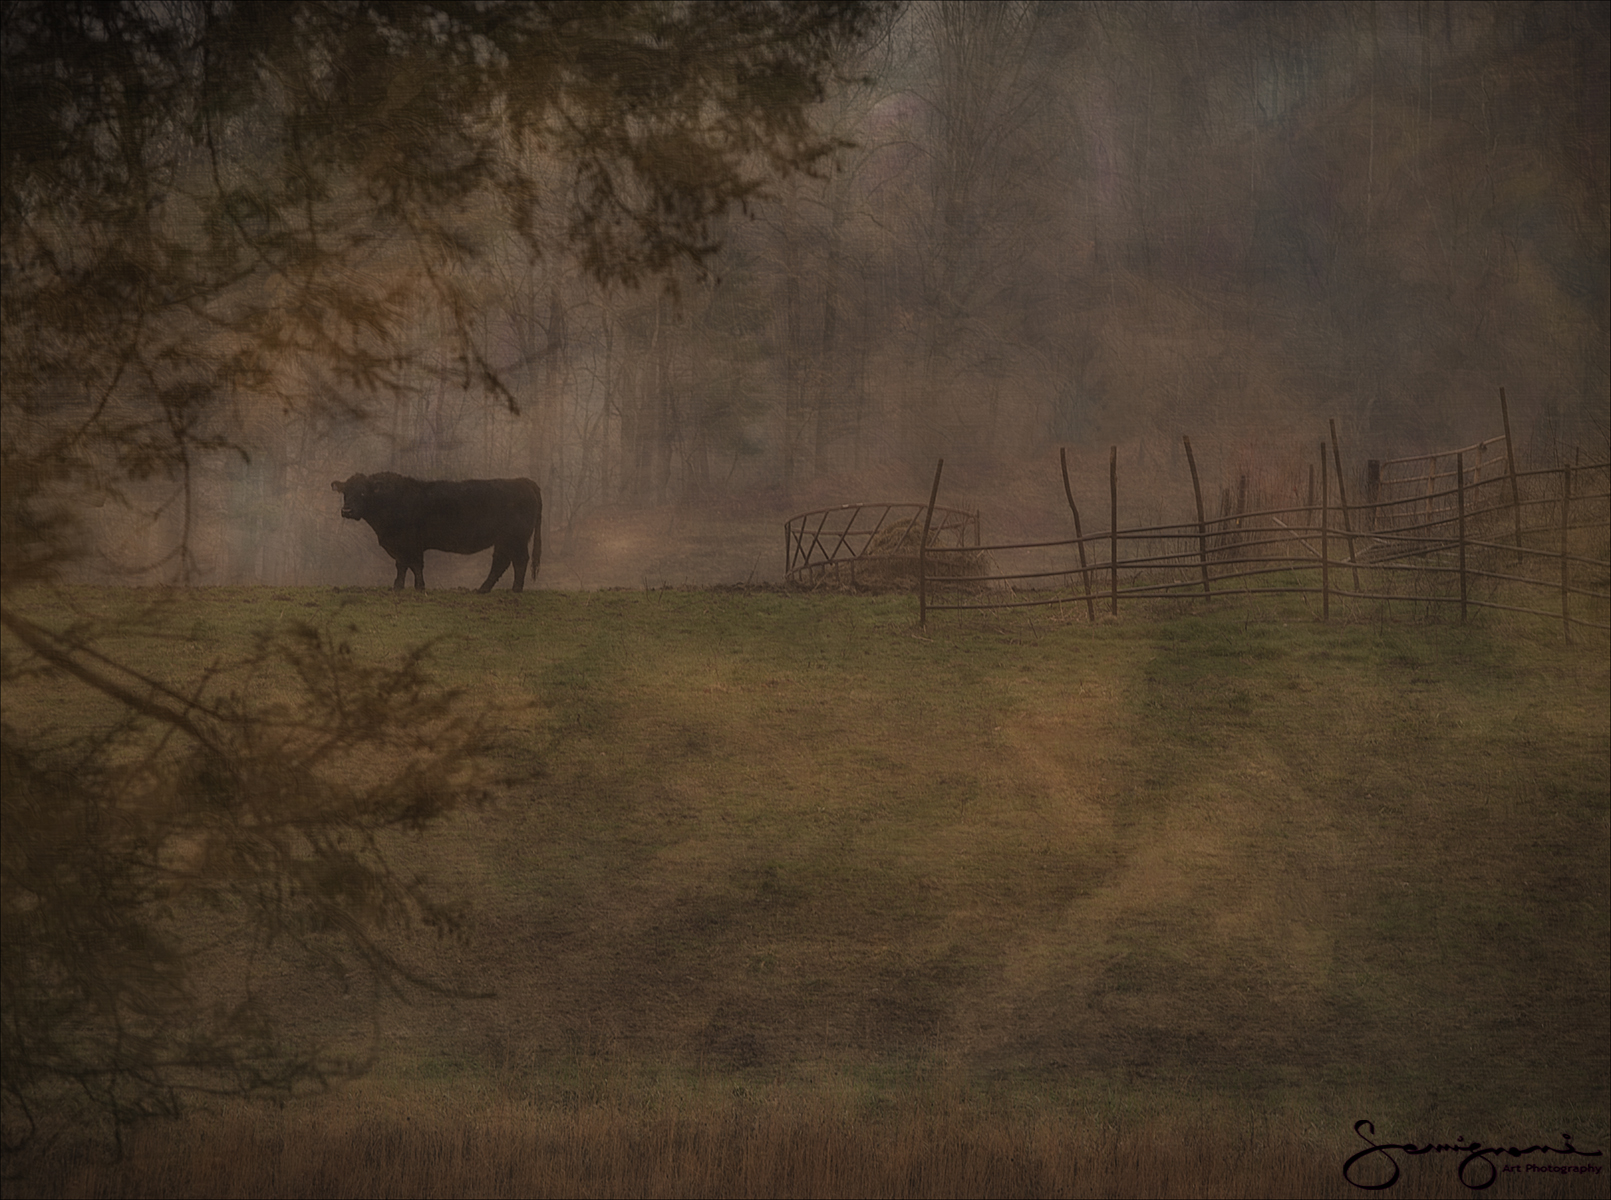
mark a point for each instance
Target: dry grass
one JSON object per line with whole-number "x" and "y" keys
{"x": 766, "y": 1144}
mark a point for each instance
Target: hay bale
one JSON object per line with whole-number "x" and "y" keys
{"x": 889, "y": 561}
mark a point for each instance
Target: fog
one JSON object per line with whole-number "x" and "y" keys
{"x": 1053, "y": 225}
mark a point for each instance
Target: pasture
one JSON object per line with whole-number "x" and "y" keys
{"x": 779, "y": 893}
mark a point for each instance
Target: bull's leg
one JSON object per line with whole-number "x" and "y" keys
{"x": 418, "y": 567}
{"x": 402, "y": 573}
{"x": 521, "y": 558}
{"x": 500, "y": 564}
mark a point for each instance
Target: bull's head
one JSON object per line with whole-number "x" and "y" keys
{"x": 354, "y": 494}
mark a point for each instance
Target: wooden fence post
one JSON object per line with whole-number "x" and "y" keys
{"x": 1090, "y": 605}
{"x": 1373, "y": 488}
{"x": 1202, "y": 526}
{"x": 1566, "y": 505}
{"x": 1460, "y": 504}
{"x": 1342, "y": 495}
{"x": 1510, "y": 469}
{"x": 922, "y": 551}
{"x": 1325, "y": 544}
{"x": 1113, "y": 529}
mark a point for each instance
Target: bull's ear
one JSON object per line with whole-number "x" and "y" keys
{"x": 336, "y": 485}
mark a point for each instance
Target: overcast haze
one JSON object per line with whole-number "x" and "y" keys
{"x": 1057, "y": 225}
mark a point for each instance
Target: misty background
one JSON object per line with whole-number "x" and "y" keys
{"x": 1051, "y": 225}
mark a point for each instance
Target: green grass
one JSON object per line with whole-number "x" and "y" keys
{"x": 1234, "y": 858}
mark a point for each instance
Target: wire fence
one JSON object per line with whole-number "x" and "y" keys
{"x": 1477, "y": 535}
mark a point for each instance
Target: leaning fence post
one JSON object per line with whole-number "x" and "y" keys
{"x": 1113, "y": 529}
{"x": 1460, "y": 505}
{"x": 1202, "y": 527}
{"x": 922, "y": 550}
{"x": 1510, "y": 469}
{"x": 1090, "y": 605}
{"x": 1566, "y": 504}
{"x": 1325, "y": 544}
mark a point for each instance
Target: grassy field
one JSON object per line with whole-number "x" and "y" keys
{"x": 780, "y": 893}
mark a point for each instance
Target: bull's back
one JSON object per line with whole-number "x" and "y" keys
{"x": 468, "y": 516}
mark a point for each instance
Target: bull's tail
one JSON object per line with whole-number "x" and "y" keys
{"x": 537, "y": 532}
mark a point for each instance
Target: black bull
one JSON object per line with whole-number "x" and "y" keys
{"x": 411, "y": 516}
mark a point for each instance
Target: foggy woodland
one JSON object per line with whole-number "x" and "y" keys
{"x": 1047, "y": 225}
